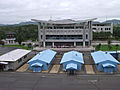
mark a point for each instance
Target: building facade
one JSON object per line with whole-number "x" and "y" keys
{"x": 14, "y": 59}
{"x": 102, "y": 27}
{"x": 10, "y": 37}
{"x": 64, "y": 33}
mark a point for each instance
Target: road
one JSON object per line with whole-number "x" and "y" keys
{"x": 40, "y": 81}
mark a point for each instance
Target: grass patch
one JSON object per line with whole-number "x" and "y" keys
{"x": 105, "y": 48}
{"x": 19, "y": 46}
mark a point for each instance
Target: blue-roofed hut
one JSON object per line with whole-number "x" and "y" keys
{"x": 42, "y": 60}
{"x": 72, "y": 61}
{"x": 105, "y": 61}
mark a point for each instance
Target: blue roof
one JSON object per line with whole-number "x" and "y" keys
{"x": 72, "y": 55}
{"x": 101, "y": 56}
{"x": 37, "y": 64}
{"x": 45, "y": 56}
{"x": 71, "y": 66}
{"x": 108, "y": 65}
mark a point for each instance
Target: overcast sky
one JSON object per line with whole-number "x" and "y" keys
{"x": 15, "y": 11}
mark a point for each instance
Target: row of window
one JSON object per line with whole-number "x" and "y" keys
{"x": 66, "y": 44}
{"x": 65, "y": 37}
{"x": 101, "y": 29}
{"x": 69, "y": 27}
{"x": 22, "y": 58}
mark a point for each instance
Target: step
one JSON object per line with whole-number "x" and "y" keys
{"x": 55, "y": 69}
{"x": 89, "y": 69}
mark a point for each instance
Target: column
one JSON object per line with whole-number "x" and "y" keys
{"x": 84, "y": 35}
{"x": 44, "y": 35}
{"x": 74, "y": 44}
{"x": 53, "y": 44}
{"x": 90, "y": 32}
{"x": 44, "y": 44}
{"x": 39, "y": 34}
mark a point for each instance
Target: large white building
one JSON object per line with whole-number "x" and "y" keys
{"x": 65, "y": 33}
{"x": 102, "y": 27}
{"x": 14, "y": 59}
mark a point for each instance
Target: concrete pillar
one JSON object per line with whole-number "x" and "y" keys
{"x": 44, "y": 44}
{"x": 44, "y": 36}
{"x": 74, "y": 44}
{"x": 52, "y": 44}
{"x": 84, "y": 35}
{"x": 13, "y": 41}
{"x": 83, "y": 44}
{"x": 39, "y": 35}
{"x": 90, "y": 32}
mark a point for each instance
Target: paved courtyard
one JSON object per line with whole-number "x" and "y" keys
{"x": 40, "y": 81}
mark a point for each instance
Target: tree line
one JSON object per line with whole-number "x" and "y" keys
{"x": 23, "y": 33}
{"x": 30, "y": 32}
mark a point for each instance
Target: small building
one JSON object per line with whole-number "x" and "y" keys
{"x": 102, "y": 27}
{"x": 10, "y": 37}
{"x": 14, "y": 59}
{"x": 72, "y": 61}
{"x": 42, "y": 60}
{"x": 105, "y": 62}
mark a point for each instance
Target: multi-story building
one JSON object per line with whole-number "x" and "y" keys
{"x": 10, "y": 37}
{"x": 102, "y": 27}
{"x": 64, "y": 33}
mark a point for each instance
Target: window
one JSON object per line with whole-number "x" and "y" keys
{"x": 79, "y": 43}
{"x": 25, "y": 56}
{"x": 86, "y": 43}
{"x": 19, "y": 60}
{"x": 86, "y": 36}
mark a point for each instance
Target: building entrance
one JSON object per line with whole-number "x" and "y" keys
{"x": 64, "y": 44}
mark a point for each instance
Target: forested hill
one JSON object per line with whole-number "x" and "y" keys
{"x": 24, "y": 32}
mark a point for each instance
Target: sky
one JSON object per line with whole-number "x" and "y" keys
{"x": 16, "y": 11}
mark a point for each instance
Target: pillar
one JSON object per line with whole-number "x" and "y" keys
{"x": 74, "y": 44}
{"x": 84, "y": 35}
{"x": 39, "y": 35}
{"x": 53, "y": 44}
{"x": 90, "y": 32}
{"x": 44, "y": 44}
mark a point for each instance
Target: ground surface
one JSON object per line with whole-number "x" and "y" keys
{"x": 40, "y": 81}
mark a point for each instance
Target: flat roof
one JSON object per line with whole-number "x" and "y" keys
{"x": 101, "y": 56}
{"x": 14, "y": 55}
{"x": 64, "y": 21}
{"x": 72, "y": 55}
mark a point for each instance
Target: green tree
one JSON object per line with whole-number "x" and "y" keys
{"x": 109, "y": 44}
{"x": 19, "y": 36}
{"x": 98, "y": 47}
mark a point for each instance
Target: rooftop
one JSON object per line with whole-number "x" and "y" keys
{"x": 14, "y": 55}
{"x": 101, "y": 56}
{"x": 64, "y": 21}
{"x": 45, "y": 56}
{"x": 72, "y": 55}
